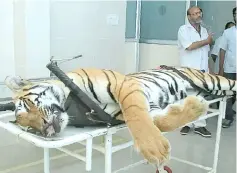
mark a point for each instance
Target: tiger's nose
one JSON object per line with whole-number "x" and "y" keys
{"x": 56, "y": 124}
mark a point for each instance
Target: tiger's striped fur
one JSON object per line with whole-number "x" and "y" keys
{"x": 144, "y": 100}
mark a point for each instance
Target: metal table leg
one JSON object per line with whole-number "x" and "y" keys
{"x": 218, "y": 133}
{"x": 88, "y": 154}
{"x": 46, "y": 160}
{"x": 108, "y": 153}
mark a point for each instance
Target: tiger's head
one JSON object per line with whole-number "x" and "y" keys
{"x": 39, "y": 106}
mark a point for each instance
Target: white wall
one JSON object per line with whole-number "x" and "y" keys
{"x": 81, "y": 27}
{"x": 153, "y": 55}
{"x": 36, "y": 30}
{"x": 30, "y": 30}
{"x": 6, "y": 43}
{"x": 19, "y": 37}
{"x": 6, "y": 39}
{"x": 130, "y": 59}
{"x": 24, "y": 39}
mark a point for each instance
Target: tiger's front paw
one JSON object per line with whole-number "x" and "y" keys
{"x": 153, "y": 146}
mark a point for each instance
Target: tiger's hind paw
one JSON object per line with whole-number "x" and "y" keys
{"x": 194, "y": 107}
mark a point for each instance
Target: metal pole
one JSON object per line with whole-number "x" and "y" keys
{"x": 108, "y": 153}
{"x": 137, "y": 36}
{"x": 88, "y": 154}
{"x": 222, "y": 108}
{"x": 46, "y": 160}
{"x": 187, "y": 7}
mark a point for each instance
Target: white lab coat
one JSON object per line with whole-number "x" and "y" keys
{"x": 197, "y": 58}
{"x": 228, "y": 43}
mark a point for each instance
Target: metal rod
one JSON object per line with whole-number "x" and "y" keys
{"x": 191, "y": 163}
{"x": 70, "y": 153}
{"x": 130, "y": 166}
{"x": 7, "y": 114}
{"x": 88, "y": 154}
{"x": 187, "y": 7}
{"x": 65, "y": 59}
{"x": 218, "y": 134}
{"x": 108, "y": 153}
{"x": 137, "y": 36}
{"x": 122, "y": 146}
{"x": 46, "y": 160}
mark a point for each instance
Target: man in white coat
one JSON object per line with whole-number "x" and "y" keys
{"x": 215, "y": 52}
{"x": 194, "y": 46}
{"x": 227, "y": 65}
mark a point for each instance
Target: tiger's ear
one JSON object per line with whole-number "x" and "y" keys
{"x": 16, "y": 83}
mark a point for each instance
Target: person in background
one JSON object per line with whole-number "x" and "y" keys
{"x": 215, "y": 52}
{"x": 194, "y": 46}
{"x": 227, "y": 65}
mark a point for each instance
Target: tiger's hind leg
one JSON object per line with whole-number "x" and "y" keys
{"x": 178, "y": 115}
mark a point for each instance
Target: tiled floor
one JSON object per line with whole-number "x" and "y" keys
{"x": 21, "y": 157}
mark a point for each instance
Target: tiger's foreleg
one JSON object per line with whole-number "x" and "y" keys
{"x": 179, "y": 115}
{"x": 147, "y": 137}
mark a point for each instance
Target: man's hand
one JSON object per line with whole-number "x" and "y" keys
{"x": 222, "y": 58}
{"x": 198, "y": 44}
{"x": 209, "y": 39}
{"x": 211, "y": 72}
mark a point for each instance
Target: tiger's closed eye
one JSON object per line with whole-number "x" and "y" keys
{"x": 44, "y": 120}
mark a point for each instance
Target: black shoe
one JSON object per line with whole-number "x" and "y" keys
{"x": 227, "y": 123}
{"x": 185, "y": 130}
{"x": 202, "y": 131}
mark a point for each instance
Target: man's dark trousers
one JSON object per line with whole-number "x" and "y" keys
{"x": 229, "y": 115}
